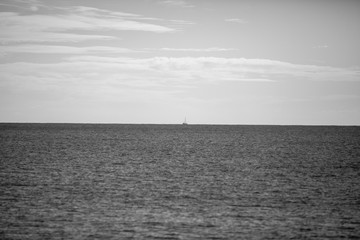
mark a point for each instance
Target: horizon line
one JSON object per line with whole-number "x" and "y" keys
{"x": 218, "y": 124}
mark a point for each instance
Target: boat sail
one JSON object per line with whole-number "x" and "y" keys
{"x": 185, "y": 123}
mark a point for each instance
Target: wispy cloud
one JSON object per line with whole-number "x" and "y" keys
{"x": 94, "y": 79}
{"x": 236, "y": 20}
{"x": 322, "y": 46}
{"x": 177, "y": 3}
{"x": 32, "y": 5}
{"x": 37, "y": 27}
{"x": 58, "y": 49}
{"x": 213, "y": 49}
{"x": 163, "y": 72}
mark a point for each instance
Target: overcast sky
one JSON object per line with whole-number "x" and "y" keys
{"x": 157, "y": 61}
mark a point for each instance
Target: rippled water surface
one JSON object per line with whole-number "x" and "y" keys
{"x": 81, "y": 181}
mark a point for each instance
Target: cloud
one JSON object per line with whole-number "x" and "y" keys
{"x": 94, "y": 79}
{"x": 56, "y": 27}
{"x": 214, "y": 69}
{"x": 182, "y": 22}
{"x": 177, "y": 3}
{"x": 32, "y": 5}
{"x": 213, "y": 49}
{"x": 236, "y": 20}
{"x": 322, "y": 46}
{"x": 56, "y": 49}
{"x": 164, "y": 72}
{"x": 45, "y": 37}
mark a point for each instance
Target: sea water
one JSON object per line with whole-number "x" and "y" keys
{"x": 88, "y": 181}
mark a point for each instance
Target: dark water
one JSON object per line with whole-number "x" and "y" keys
{"x": 64, "y": 181}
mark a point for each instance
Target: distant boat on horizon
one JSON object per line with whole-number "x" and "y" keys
{"x": 185, "y": 123}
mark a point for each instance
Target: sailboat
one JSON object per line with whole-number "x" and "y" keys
{"x": 185, "y": 123}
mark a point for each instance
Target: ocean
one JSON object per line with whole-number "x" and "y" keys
{"x": 108, "y": 181}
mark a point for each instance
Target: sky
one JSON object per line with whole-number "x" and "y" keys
{"x": 287, "y": 62}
